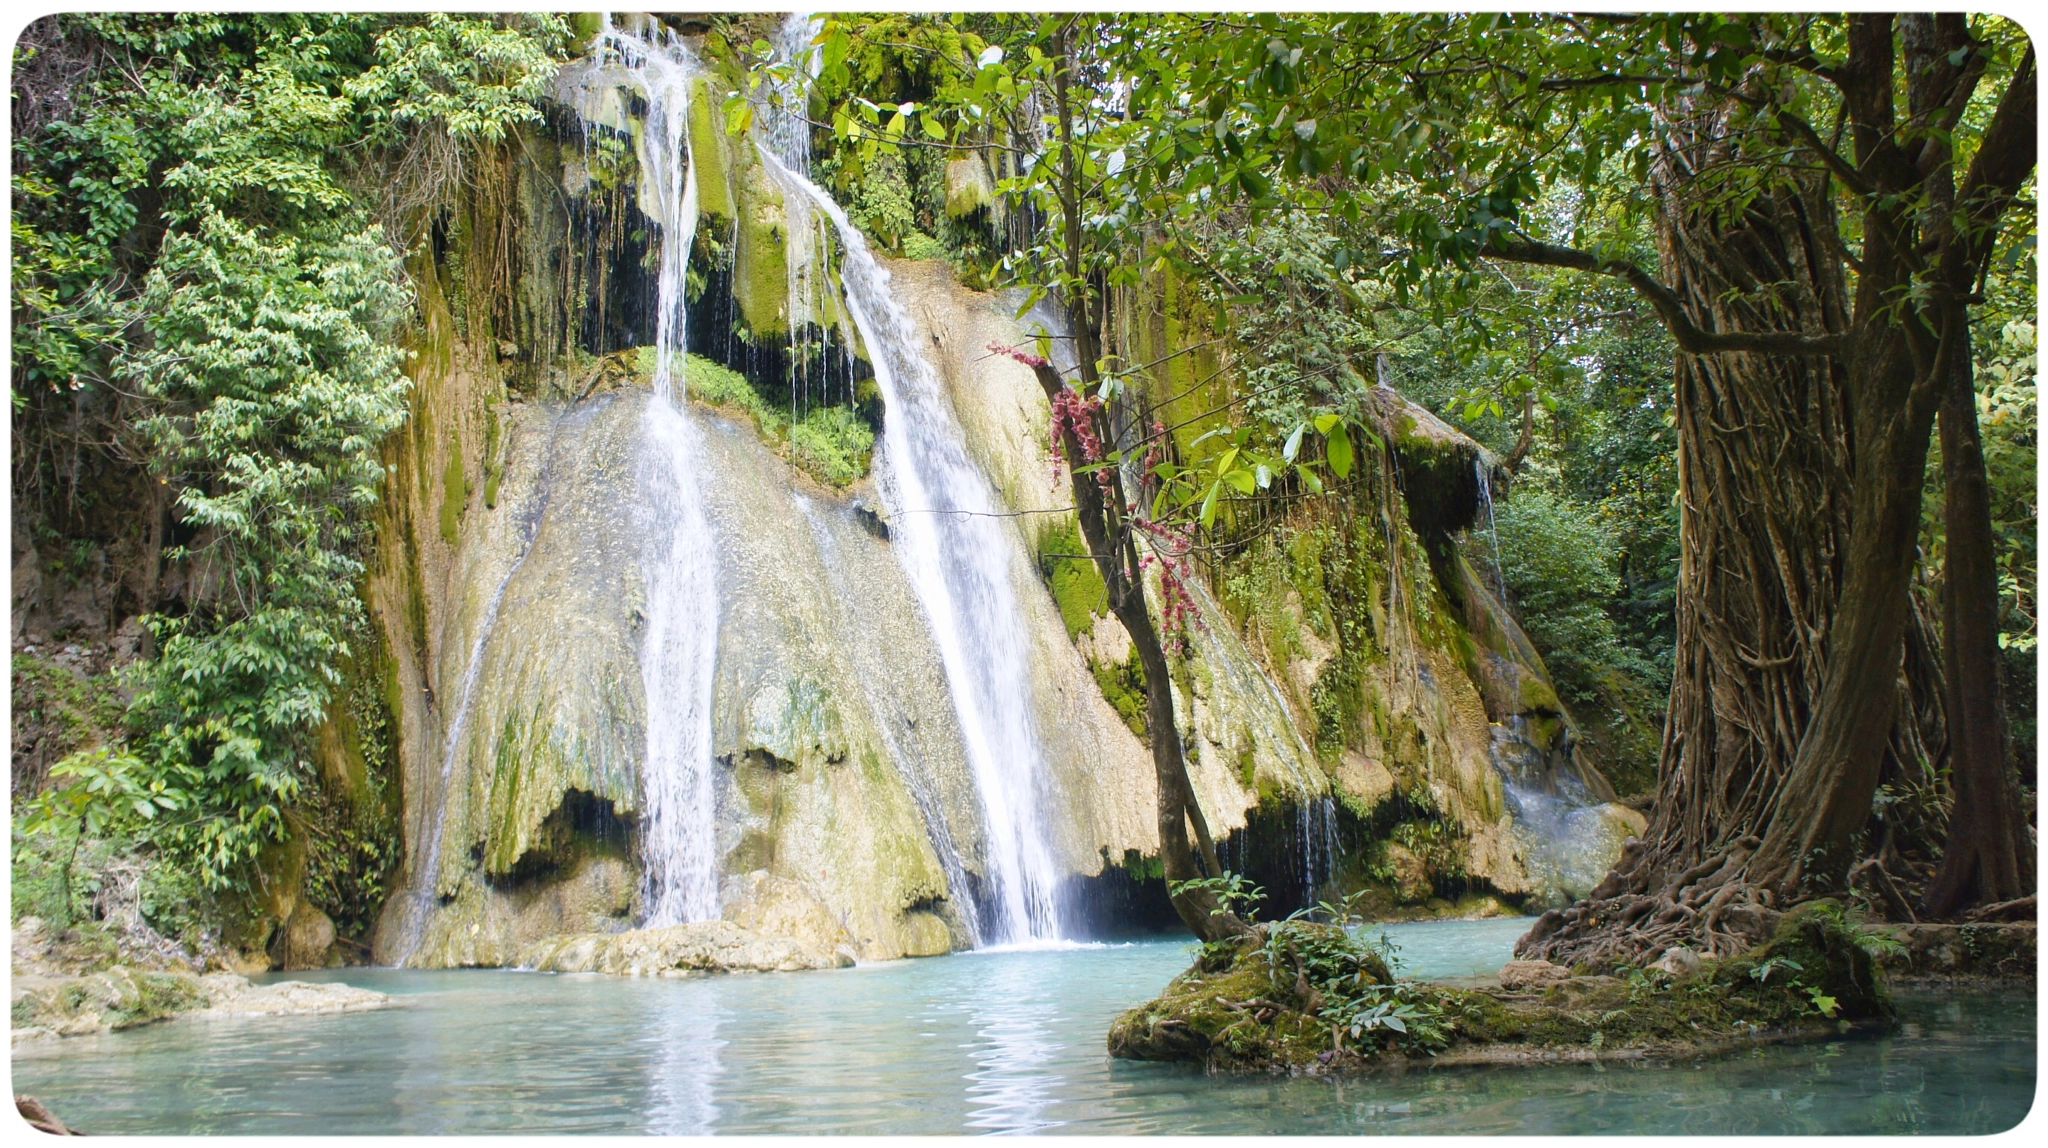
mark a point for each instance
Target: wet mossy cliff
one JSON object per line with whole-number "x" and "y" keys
{"x": 1360, "y": 710}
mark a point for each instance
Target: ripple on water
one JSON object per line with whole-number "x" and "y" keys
{"x": 983, "y": 1042}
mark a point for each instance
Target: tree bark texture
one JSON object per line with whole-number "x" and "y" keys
{"x": 1110, "y": 540}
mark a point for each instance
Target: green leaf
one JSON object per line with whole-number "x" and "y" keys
{"x": 1338, "y": 450}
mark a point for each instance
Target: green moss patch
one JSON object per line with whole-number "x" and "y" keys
{"x": 832, "y": 444}
{"x": 454, "y": 492}
{"x": 1123, "y": 687}
{"x": 119, "y": 997}
{"x": 1076, "y": 583}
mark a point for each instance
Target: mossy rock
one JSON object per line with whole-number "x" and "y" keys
{"x": 115, "y": 998}
{"x": 1238, "y": 1009}
{"x": 1817, "y": 946}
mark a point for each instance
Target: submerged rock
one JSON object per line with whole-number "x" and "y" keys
{"x": 680, "y": 950}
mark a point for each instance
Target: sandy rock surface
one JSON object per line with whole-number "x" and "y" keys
{"x": 679, "y": 950}
{"x": 231, "y": 995}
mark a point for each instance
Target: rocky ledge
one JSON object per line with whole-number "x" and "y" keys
{"x": 1305, "y": 998}
{"x": 121, "y": 997}
{"x": 1992, "y": 951}
{"x": 680, "y": 951}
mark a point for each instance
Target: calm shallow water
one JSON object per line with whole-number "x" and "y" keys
{"x": 977, "y": 1042}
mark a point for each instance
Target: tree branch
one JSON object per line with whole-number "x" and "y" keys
{"x": 1689, "y": 337}
{"x": 2004, "y": 158}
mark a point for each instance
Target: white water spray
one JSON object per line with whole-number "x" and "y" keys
{"x": 679, "y": 645}
{"x": 959, "y": 556}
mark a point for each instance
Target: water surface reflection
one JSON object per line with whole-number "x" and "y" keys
{"x": 988, "y": 1042}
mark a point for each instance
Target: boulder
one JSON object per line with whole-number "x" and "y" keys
{"x": 1532, "y": 974}
{"x": 230, "y": 995}
{"x": 1679, "y": 962}
{"x": 305, "y": 939}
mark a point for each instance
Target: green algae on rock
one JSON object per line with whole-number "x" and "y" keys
{"x": 1298, "y": 997}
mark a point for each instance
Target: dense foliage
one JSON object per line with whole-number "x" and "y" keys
{"x": 201, "y": 269}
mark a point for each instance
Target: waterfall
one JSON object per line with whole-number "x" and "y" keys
{"x": 785, "y": 132}
{"x": 959, "y": 556}
{"x": 679, "y": 562}
{"x": 1316, "y": 823}
{"x": 1500, "y": 577}
{"x": 784, "y": 128}
{"x": 930, "y": 807}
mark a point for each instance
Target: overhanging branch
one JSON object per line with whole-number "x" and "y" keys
{"x": 1684, "y": 332}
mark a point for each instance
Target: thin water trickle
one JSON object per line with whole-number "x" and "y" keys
{"x": 1479, "y": 473}
{"x": 679, "y": 563}
{"x": 959, "y": 556}
{"x": 419, "y": 898}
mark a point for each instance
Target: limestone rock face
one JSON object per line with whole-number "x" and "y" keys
{"x": 678, "y": 950}
{"x": 846, "y": 813}
{"x": 780, "y": 907}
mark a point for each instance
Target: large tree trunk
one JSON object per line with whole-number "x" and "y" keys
{"x": 1989, "y": 857}
{"x": 1764, "y": 520}
{"x": 1800, "y": 481}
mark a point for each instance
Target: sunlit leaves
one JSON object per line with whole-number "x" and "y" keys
{"x": 473, "y": 75}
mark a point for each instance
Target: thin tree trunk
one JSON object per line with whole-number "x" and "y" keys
{"x": 1116, "y": 557}
{"x": 1110, "y": 539}
{"x": 1988, "y": 858}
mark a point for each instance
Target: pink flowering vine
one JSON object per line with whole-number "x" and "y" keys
{"x": 1171, "y": 546}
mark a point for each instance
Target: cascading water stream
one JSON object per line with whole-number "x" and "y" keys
{"x": 1492, "y": 531}
{"x": 959, "y": 557}
{"x": 929, "y": 805}
{"x": 679, "y": 644}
